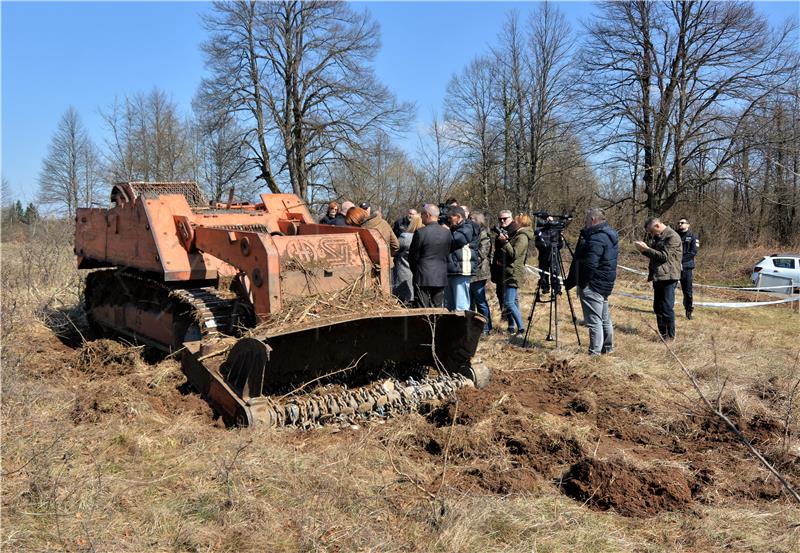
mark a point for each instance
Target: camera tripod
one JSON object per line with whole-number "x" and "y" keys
{"x": 554, "y": 246}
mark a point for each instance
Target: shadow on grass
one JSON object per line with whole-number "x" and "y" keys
{"x": 633, "y": 309}
{"x": 631, "y": 330}
{"x": 71, "y": 326}
{"x": 68, "y": 324}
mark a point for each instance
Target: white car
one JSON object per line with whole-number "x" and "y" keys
{"x": 782, "y": 265}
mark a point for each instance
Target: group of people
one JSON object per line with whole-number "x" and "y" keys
{"x": 671, "y": 257}
{"x": 444, "y": 256}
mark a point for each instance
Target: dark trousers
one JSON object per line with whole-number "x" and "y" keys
{"x": 429, "y": 296}
{"x": 499, "y": 292}
{"x": 477, "y": 293}
{"x": 664, "y": 306}
{"x": 686, "y": 289}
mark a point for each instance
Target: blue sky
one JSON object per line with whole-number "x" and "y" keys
{"x": 57, "y": 54}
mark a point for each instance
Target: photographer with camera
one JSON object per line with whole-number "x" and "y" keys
{"x": 508, "y": 266}
{"x": 594, "y": 271}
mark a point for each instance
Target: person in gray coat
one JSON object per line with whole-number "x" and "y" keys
{"x": 428, "y": 256}
{"x": 402, "y": 277}
{"x": 477, "y": 286}
{"x": 665, "y": 252}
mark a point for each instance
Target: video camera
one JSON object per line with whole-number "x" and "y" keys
{"x": 444, "y": 210}
{"x": 547, "y": 221}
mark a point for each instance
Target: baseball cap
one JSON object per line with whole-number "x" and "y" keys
{"x": 364, "y": 205}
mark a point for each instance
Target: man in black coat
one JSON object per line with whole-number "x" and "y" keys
{"x": 594, "y": 270}
{"x": 690, "y": 244}
{"x": 427, "y": 257}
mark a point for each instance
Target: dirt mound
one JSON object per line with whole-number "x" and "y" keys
{"x": 630, "y": 491}
{"x": 499, "y": 445}
{"x": 121, "y": 383}
{"x": 101, "y": 358}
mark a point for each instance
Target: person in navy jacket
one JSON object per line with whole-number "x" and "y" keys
{"x": 594, "y": 271}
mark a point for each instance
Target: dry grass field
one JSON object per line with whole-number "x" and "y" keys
{"x": 105, "y": 451}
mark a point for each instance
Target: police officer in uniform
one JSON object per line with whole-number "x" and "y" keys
{"x": 690, "y": 244}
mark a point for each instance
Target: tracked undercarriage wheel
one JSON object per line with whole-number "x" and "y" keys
{"x": 479, "y": 373}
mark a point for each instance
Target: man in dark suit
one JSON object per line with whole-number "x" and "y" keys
{"x": 427, "y": 258}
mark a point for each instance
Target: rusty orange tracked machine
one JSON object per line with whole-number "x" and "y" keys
{"x": 179, "y": 273}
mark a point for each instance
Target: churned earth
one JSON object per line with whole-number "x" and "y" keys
{"x": 106, "y": 448}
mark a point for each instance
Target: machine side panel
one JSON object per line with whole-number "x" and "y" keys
{"x": 311, "y": 264}
{"x": 114, "y": 237}
{"x": 371, "y": 243}
{"x": 176, "y": 263}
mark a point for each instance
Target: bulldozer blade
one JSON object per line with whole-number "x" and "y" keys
{"x": 361, "y": 346}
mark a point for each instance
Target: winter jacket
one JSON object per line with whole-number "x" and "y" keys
{"x": 379, "y": 223}
{"x": 402, "y": 277}
{"x": 665, "y": 253}
{"x": 595, "y": 261}
{"x": 508, "y": 266}
{"x": 463, "y": 259}
{"x": 484, "y": 256}
{"x": 690, "y": 243}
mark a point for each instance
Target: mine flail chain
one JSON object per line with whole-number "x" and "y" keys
{"x": 388, "y": 397}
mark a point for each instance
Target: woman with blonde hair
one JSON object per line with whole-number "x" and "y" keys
{"x": 402, "y": 276}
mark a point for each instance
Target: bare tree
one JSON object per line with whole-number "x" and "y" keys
{"x": 552, "y": 95}
{"x": 437, "y": 161}
{"x": 70, "y": 173}
{"x": 236, "y": 63}
{"x": 149, "y": 140}
{"x": 471, "y": 116}
{"x": 302, "y": 72}
{"x": 382, "y": 174}
{"x": 221, "y": 154}
{"x": 676, "y": 79}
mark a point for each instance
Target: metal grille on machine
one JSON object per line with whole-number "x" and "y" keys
{"x": 152, "y": 190}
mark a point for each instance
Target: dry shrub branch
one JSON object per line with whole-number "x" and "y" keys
{"x": 717, "y": 411}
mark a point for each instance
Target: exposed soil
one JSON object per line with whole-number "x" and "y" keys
{"x": 596, "y": 439}
{"x": 630, "y": 491}
{"x": 575, "y": 429}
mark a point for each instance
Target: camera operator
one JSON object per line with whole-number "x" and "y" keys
{"x": 594, "y": 270}
{"x": 549, "y": 237}
{"x": 508, "y": 266}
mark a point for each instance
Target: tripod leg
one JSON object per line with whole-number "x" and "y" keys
{"x": 530, "y": 315}
{"x": 555, "y": 287}
{"x": 569, "y": 298}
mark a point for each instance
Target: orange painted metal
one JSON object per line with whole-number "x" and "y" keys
{"x": 276, "y": 247}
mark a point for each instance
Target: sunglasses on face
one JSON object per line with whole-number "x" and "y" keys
{"x": 683, "y": 222}
{"x": 503, "y": 218}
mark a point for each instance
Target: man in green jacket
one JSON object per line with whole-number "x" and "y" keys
{"x": 665, "y": 252}
{"x": 508, "y": 266}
